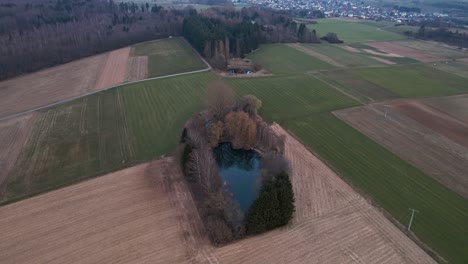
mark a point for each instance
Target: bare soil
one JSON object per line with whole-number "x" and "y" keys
{"x": 63, "y": 82}
{"x": 384, "y": 54}
{"x": 436, "y": 155}
{"x": 434, "y": 119}
{"x": 13, "y": 136}
{"x": 146, "y": 214}
{"x": 142, "y": 214}
{"x": 391, "y": 47}
{"x": 316, "y": 55}
{"x": 348, "y": 48}
{"x": 137, "y": 68}
{"x": 464, "y": 60}
{"x": 114, "y": 71}
{"x": 456, "y": 106}
{"x": 332, "y": 224}
{"x": 383, "y": 60}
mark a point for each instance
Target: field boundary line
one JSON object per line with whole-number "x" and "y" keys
{"x": 105, "y": 89}
{"x": 338, "y": 89}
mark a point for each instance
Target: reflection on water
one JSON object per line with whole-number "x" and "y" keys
{"x": 240, "y": 172}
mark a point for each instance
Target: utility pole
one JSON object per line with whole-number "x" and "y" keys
{"x": 411, "y": 220}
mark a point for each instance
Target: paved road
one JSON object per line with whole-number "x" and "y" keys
{"x": 109, "y": 88}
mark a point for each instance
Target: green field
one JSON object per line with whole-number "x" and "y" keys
{"x": 393, "y": 184}
{"x": 168, "y": 56}
{"x": 287, "y": 97}
{"x": 415, "y": 80}
{"x": 351, "y": 32}
{"x": 281, "y": 59}
{"x": 454, "y": 67}
{"x": 105, "y": 132}
{"x": 358, "y": 87}
{"x": 347, "y": 58}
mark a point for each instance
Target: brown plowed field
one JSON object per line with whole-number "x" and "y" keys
{"x": 115, "y": 69}
{"x": 434, "y": 119}
{"x": 383, "y": 60}
{"x": 391, "y": 47}
{"x": 456, "y": 106}
{"x": 436, "y": 155}
{"x": 13, "y": 136}
{"x": 137, "y": 68}
{"x": 464, "y": 60}
{"x": 63, "y": 82}
{"x": 332, "y": 224}
{"x": 145, "y": 214}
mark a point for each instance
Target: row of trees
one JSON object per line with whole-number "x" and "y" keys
{"x": 43, "y": 33}
{"x": 227, "y": 119}
{"x": 441, "y": 34}
{"x": 222, "y": 33}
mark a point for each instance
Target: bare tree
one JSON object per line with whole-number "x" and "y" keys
{"x": 219, "y": 99}
{"x": 241, "y": 129}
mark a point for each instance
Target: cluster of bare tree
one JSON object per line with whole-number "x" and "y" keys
{"x": 226, "y": 119}
{"x": 35, "y": 34}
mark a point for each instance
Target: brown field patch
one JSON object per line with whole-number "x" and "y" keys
{"x": 434, "y": 119}
{"x": 464, "y": 60}
{"x": 63, "y": 82}
{"x": 317, "y": 55}
{"x": 332, "y": 224}
{"x": 13, "y": 136}
{"x": 143, "y": 214}
{"x": 383, "y": 60}
{"x": 146, "y": 214}
{"x": 384, "y": 54}
{"x": 435, "y": 155}
{"x": 348, "y": 48}
{"x": 391, "y": 47}
{"x": 137, "y": 68}
{"x": 114, "y": 71}
{"x": 50, "y": 85}
{"x": 456, "y": 106}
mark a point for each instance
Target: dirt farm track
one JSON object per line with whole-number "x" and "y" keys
{"x": 145, "y": 214}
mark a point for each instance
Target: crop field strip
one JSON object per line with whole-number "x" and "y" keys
{"x": 351, "y": 32}
{"x": 456, "y": 106}
{"x": 168, "y": 56}
{"x": 414, "y": 80}
{"x": 104, "y": 132}
{"x": 432, "y": 153}
{"x": 281, "y": 59}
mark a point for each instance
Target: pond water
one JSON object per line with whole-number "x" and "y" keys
{"x": 240, "y": 173}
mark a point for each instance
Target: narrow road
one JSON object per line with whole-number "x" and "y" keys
{"x": 108, "y": 88}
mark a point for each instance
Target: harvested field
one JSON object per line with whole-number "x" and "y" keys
{"x": 348, "y": 48}
{"x": 145, "y": 214}
{"x": 456, "y": 106}
{"x": 114, "y": 70}
{"x": 50, "y": 85}
{"x": 13, "y": 136}
{"x": 137, "y": 68}
{"x": 142, "y": 214}
{"x": 434, "y": 48}
{"x": 332, "y": 224}
{"x": 383, "y": 60}
{"x": 436, "y": 155}
{"x": 384, "y": 54}
{"x": 392, "y": 47}
{"x": 434, "y": 119}
{"x": 317, "y": 55}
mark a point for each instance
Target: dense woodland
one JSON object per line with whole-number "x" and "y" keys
{"x": 441, "y": 34}
{"x": 223, "y": 33}
{"x": 227, "y": 119}
{"x": 42, "y": 33}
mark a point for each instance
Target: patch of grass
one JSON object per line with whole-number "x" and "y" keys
{"x": 105, "y": 132}
{"x": 415, "y": 80}
{"x": 442, "y": 221}
{"x": 347, "y": 58}
{"x": 357, "y": 86}
{"x": 168, "y": 56}
{"x": 434, "y": 48}
{"x": 458, "y": 68}
{"x": 351, "y": 32}
{"x": 287, "y": 97}
{"x": 281, "y": 59}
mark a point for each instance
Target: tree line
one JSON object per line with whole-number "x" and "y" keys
{"x": 223, "y": 33}
{"x": 441, "y": 34}
{"x": 43, "y": 33}
{"x": 227, "y": 119}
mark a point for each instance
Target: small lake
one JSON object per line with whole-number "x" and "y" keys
{"x": 240, "y": 170}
